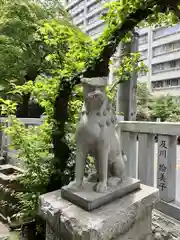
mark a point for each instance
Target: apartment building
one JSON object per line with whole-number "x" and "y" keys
{"x": 86, "y": 14}
{"x": 160, "y": 50}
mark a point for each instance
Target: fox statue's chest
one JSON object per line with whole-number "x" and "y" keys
{"x": 94, "y": 128}
{"x": 88, "y": 127}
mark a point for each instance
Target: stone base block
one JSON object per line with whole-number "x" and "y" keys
{"x": 89, "y": 200}
{"x": 123, "y": 219}
{"x": 4, "y": 232}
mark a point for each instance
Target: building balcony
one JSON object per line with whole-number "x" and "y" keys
{"x": 165, "y": 57}
{"x": 166, "y": 39}
{"x": 98, "y": 24}
{"x": 79, "y": 22}
{"x": 166, "y": 74}
{"x": 143, "y": 47}
{"x": 79, "y": 12}
{"x": 97, "y": 11}
{"x": 72, "y": 4}
{"x": 173, "y": 90}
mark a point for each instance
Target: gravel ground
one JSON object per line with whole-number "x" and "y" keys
{"x": 165, "y": 227}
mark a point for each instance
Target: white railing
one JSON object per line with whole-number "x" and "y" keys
{"x": 154, "y": 163}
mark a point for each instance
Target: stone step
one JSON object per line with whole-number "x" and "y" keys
{"x": 4, "y": 232}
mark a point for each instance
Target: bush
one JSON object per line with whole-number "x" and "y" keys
{"x": 165, "y": 107}
{"x": 149, "y": 107}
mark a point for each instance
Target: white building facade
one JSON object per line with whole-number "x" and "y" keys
{"x": 86, "y": 14}
{"x": 160, "y": 48}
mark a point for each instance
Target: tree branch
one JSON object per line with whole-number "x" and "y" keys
{"x": 100, "y": 68}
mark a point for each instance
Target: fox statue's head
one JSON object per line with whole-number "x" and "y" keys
{"x": 94, "y": 96}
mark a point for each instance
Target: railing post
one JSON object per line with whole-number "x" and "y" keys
{"x": 166, "y": 175}
{"x": 125, "y": 147}
{"x": 146, "y": 159}
{"x": 150, "y": 159}
{"x": 132, "y": 161}
{"x": 130, "y": 148}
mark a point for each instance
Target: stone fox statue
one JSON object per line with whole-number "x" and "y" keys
{"x": 96, "y": 135}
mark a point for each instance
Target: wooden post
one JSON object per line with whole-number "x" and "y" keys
{"x": 133, "y": 83}
{"x": 166, "y": 175}
{"x": 126, "y": 94}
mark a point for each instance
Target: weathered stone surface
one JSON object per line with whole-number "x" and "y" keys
{"x": 9, "y": 185}
{"x": 165, "y": 227}
{"x": 50, "y": 233}
{"x": 96, "y": 135}
{"x": 120, "y": 219}
{"x": 8, "y": 175}
{"x": 89, "y": 200}
{"x": 140, "y": 229}
{"x": 4, "y": 232}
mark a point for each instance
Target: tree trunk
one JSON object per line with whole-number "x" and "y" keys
{"x": 60, "y": 147}
{"x": 28, "y": 231}
{"x": 27, "y": 109}
{"x": 22, "y": 110}
{"x": 35, "y": 230}
{"x": 98, "y": 69}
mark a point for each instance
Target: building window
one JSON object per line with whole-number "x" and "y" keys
{"x": 142, "y": 73}
{"x": 161, "y": 32}
{"x": 70, "y": 1}
{"x": 78, "y": 16}
{"x": 166, "y": 83}
{"x": 93, "y": 19}
{"x": 165, "y": 48}
{"x": 144, "y": 54}
{"x": 96, "y": 30}
{"x": 143, "y": 39}
{"x": 93, "y": 6}
{"x": 77, "y": 7}
{"x": 157, "y": 84}
{"x": 80, "y": 25}
{"x": 166, "y": 66}
{"x": 159, "y": 50}
{"x": 172, "y": 64}
{"x": 174, "y": 82}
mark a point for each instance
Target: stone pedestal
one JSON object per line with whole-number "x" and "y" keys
{"x": 9, "y": 185}
{"x": 125, "y": 218}
{"x": 89, "y": 200}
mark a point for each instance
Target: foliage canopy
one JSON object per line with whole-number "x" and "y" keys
{"x": 37, "y": 42}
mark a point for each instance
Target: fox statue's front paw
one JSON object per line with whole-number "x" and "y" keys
{"x": 101, "y": 187}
